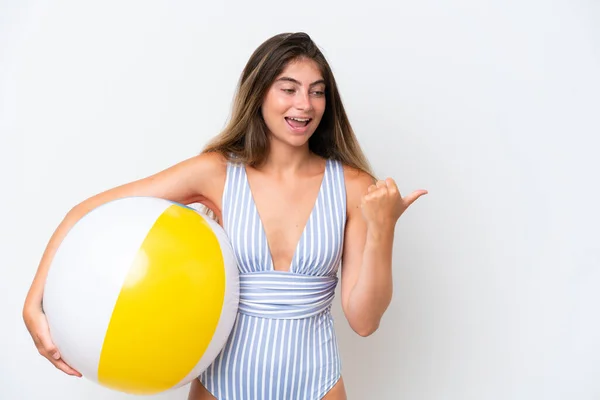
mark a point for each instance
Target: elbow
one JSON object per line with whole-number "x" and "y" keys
{"x": 365, "y": 329}
{"x": 365, "y": 319}
{"x": 366, "y": 333}
{"x": 364, "y": 322}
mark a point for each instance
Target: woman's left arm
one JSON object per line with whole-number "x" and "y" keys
{"x": 373, "y": 210}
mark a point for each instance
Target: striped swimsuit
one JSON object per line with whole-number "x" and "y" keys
{"x": 283, "y": 344}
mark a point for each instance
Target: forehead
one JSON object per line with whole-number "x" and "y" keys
{"x": 303, "y": 70}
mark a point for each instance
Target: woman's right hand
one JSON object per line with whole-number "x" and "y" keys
{"x": 38, "y": 328}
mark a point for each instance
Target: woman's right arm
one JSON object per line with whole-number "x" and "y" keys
{"x": 195, "y": 180}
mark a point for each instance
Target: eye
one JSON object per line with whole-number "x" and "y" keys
{"x": 319, "y": 93}
{"x": 288, "y": 91}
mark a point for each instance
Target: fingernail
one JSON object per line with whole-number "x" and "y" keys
{"x": 56, "y": 356}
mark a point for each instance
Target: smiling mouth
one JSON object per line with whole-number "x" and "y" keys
{"x": 298, "y": 122}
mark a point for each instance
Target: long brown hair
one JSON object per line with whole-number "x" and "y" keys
{"x": 245, "y": 136}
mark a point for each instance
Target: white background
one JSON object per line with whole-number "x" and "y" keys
{"x": 494, "y": 107}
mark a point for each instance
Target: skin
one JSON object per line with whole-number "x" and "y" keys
{"x": 288, "y": 179}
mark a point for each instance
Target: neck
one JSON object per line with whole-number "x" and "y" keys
{"x": 285, "y": 158}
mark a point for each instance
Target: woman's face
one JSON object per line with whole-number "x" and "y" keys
{"x": 295, "y": 103}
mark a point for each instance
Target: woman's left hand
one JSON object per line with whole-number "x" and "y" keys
{"x": 382, "y": 205}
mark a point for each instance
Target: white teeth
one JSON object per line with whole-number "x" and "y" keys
{"x": 300, "y": 119}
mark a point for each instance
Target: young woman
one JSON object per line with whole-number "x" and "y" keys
{"x": 288, "y": 182}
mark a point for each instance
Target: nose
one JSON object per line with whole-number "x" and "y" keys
{"x": 303, "y": 101}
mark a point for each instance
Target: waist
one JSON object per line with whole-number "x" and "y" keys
{"x": 285, "y": 295}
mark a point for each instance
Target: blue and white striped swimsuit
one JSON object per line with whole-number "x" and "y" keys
{"x": 283, "y": 344}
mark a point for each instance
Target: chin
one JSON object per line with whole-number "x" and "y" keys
{"x": 296, "y": 142}
{"x": 293, "y": 139}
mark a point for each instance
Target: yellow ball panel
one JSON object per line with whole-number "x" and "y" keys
{"x": 168, "y": 308}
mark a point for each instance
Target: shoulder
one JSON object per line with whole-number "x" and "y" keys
{"x": 206, "y": 173}
{"x": 357, "y": 183}
{"x": 208, "y": 165}
{"x": 212, "y": 159}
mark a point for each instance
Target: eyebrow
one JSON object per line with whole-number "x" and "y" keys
{"x": 288, "y": 79}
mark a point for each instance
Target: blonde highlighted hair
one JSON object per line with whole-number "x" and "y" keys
{"x": 245, "y": 136}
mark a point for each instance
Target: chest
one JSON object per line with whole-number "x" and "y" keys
{"x": 283, "y": 225}
{"x": 284, "y": 211}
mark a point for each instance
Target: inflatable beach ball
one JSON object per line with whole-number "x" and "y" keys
{"x": 142, "y": 294}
